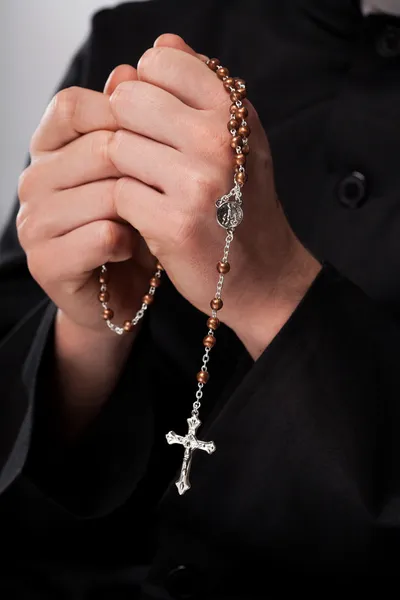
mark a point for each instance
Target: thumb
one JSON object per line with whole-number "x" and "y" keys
{"x": 175, "y": 41}
{"x": 119, "y": 75}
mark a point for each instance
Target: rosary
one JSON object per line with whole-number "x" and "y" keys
{"x": 229, "y": 216}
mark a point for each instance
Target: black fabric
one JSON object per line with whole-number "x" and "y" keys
{"x": 305, "y": 480}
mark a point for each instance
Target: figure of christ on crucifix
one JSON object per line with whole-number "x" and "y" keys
{"x": 190, "y": 443}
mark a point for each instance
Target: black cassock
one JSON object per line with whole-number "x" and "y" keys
{"x": 305, "y": 479}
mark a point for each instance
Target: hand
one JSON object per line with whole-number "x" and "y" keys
{"x": 67, "y": 222}
{"x": 173, "y": 146}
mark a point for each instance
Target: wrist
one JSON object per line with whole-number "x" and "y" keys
{"x": 88, "y": 364}
{"x": 275, "y": 303}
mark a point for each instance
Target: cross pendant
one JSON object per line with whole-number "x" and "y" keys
{"x": 190, "y": 443}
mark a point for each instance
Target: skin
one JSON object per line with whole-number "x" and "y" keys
{"x": 92, "y": 195}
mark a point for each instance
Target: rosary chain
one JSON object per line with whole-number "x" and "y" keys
{"x": 108, "y": 313}
{"x": 240, "y": 131}
{"x": 229, "y": 216}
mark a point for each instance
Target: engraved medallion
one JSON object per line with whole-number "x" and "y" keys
{"x": 230, "y": 215}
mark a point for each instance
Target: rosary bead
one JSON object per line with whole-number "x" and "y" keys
{"x": 237, "y": 140}
{"x": 239, "y": 83}
{"x": 155, "y": 282}
{"x": 242, "y": 112}
{"x": 222, "y": 72}
{"x": 240, "y": 160}
{"x": 244, "y": 130}
{"x": 246, "y": 149}
{"x": 235, "y": 96}
{"x": 216, "y": 304}
{"x": 104, "y": 278}
{"x": 213, "y": 323}
{"x": 209, "y": 341}
{"x": 148, "y": 299}
{"x": 203, "y": 376}
{"x": 108, "y": 314}
{"x": 223, "y": 267}
{"x": 234, "y": 109}
{"x": 128, "y": 326}
{"x": 229, "y": 82}
{"x": 159, "y": 267}
{"x": 233, "y": 124}
{"x": 104, "y": 296}
{"x": 214, "y": 64}
{"x": 241, "y": 178}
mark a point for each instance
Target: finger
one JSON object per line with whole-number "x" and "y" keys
{"x": 167, "y": 121}
{"x": 145, "y": 208}
{"x": 155, "y": 164}
{"x": 119, "y": 75}
{"x": 171, "y": 40}
{"x": 161, "y": 221}
{"x": 182, "y": 75}
{"x": 81, "y": 251}
{"x": 52, "y": 217}
{"x": 82, "y": 161}
{"x": 72, "y": 113}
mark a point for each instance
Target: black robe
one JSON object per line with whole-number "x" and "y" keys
{"x": 305, "y": 479}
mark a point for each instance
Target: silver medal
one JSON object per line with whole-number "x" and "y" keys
{"x": 230, "y": 215}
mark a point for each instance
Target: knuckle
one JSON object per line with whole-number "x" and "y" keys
{"x": 118, "y": 194}
{"x": 121, "y": 96}
{"x": 108, "y": 238}
{"x": 35, "y": 267}
{"x": 101, "y": 142}
{"x": 203, "y": 188}
{"x": 28, "y": 229}
{"x": 114, "y": 144}
{"x": 148, "y": 60}
{"x": 65, "y": 103}
{"x": 27, "y": 183}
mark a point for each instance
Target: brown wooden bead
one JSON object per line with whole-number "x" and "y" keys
{"x": 128, "y": 326}
{"x": 241, "y": 178}
{"x": 104, "y": 278}
{"x": 239, "y": 83}
{"x": 223, "y": 267}
{"x": 242, "y": 112}
{"x": 235, "y": 96}
{"x": 233, "y": 124}
{"x": 222, "y": 72}
{"x": 237, "y": 140}
{"x": 108, "y": 314}
{"x": 216, "y": 304}
{"x": 148, "y": 299}
{"x": 159, "y": 267}
{"x": 233, "y": 109}
{"x": 155, "y": 282}
{"x": 209, "y": 341}
{"x": 104, "y": 296}
{"x": 246, "y": 149}
{"x": 213, "y": 323}
{"x": 240, "y": 160}
{"x": 229, "y": 82}
{"x": 203, "y": 376}
{"x": 244, "y": 130}
{"x": 214, "y": 64}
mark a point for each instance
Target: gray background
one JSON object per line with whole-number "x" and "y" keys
{"x": 37, "y": 39}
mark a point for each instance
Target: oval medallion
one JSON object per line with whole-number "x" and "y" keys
{"x": 230, "y": 215}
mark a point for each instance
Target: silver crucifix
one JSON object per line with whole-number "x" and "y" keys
{"x": 190, "y": 443}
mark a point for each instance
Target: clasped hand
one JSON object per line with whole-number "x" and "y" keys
{"x": 134, "y": 173}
